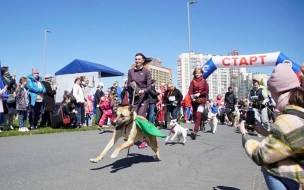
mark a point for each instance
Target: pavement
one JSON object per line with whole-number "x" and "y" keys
{"x": 61, "y": 161}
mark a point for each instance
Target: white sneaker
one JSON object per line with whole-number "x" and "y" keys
{"x": 26, "y": 129}
{"x": 100, "y": 129}
{"x": 21, "y": 129}
{"x": 11, "y": 127}
{"x": 188, "y": 121}
{"x": 0, "y": 131}
{"x": 105, "y": 126}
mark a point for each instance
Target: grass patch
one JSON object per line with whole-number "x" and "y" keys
{"x": 44, "y": 130}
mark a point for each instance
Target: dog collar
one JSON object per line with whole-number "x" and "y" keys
{"x": 172, "y": 129}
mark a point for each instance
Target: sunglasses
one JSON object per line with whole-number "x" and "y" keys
{"x": 36, "y": 73}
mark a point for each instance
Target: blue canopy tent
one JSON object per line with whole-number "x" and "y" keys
{"x": 80, "y": 66}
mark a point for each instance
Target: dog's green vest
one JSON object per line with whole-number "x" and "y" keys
{"x": 149, "y": 128}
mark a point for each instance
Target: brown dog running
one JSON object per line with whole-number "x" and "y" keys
{"x": 126, "y": 127}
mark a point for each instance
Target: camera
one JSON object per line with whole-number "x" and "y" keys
{"x": 250, "y": 120}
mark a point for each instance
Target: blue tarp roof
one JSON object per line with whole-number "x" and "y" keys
{"x": 80, "y": 66}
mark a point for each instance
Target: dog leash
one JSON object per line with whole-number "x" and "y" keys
{"x": 134, "y": 89}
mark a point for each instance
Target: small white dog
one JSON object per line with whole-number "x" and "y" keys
{"x": 178, "y": 131}
{"x": 212, "y": 121}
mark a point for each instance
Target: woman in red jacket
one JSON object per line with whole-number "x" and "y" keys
{"x": 198, "y": 91}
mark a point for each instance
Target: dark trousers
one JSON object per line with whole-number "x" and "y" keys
{"x": 58, "y": 123}
{"x": 141, "y": 106}
{"x": 46, "y": 118}
{"x": 98, "y": 115}
{"x": 229, "y": 110}
{"x": 197, "y": 116}
{"x": 35, "y": 113}
{"x": 80, "y": 113}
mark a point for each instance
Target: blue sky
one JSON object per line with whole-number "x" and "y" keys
{"x": 112, "y": 32}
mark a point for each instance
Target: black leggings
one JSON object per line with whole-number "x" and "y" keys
{"x": 229, "y": 110}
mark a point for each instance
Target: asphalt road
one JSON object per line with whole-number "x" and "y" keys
{"x": 61, "y": 161}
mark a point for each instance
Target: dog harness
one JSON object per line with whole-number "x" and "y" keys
{"x": 172, "y": 129}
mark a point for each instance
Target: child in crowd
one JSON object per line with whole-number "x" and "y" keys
{"x": 22, "y": 102}
{"x": 187, "y": 108}
{"x": 214, "y": 108}
{"x": 222, "y": 113}
{"x": 160, "y": 108}
{"x": 106, "y": 105}
{"x": 89, "y": 110}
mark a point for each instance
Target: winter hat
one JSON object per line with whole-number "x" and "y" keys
{"x": 282, "y": 79}
{"x": 100, "y": 84}
{"x": 90, "y": 98}
{"x": 34, "y": 70}
{"x": 48, "y": 77}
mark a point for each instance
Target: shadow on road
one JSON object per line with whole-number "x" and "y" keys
{"x": 106, "y": 131}
{"x": 224, "y": 188}
{"x": 127, "y": 162}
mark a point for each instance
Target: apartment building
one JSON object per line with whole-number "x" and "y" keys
{"x": 219, "y": 81}
{"x": 185, "y": 68}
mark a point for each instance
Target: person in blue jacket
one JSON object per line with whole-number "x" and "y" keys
{"x": 36, "y": 91}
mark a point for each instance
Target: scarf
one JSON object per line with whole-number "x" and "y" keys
{"x": 282, "y": 101}
{"x": 7, "y": 77}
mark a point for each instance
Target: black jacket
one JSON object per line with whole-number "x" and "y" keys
{"x": 178, "y": 96}
{"x": 230, "y": 99}
{"x": 97, "y": 96}
{"x": 66, "y": 109}
{"x": 49, "y": 96}
{"x": 153, "y": 95}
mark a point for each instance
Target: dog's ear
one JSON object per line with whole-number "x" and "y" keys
{"x": 131, "y": 108}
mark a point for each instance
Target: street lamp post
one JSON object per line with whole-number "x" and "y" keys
{"x": 189, "y": 49}
{"x": 45, "y": 31}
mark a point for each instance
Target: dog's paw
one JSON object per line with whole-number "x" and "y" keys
{"x": 113, "y": 155}
{"x": 156, "y": 158}
{"x": 94, "y": 160}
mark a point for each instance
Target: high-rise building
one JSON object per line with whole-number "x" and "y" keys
{"x": 158, "y": 72}
{"x": 261, "y": 77}
{"x": 185, "y": 69}
{"x": 219, "y": 81}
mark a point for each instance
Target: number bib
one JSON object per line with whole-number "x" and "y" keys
{"x": 200, "y": 108}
